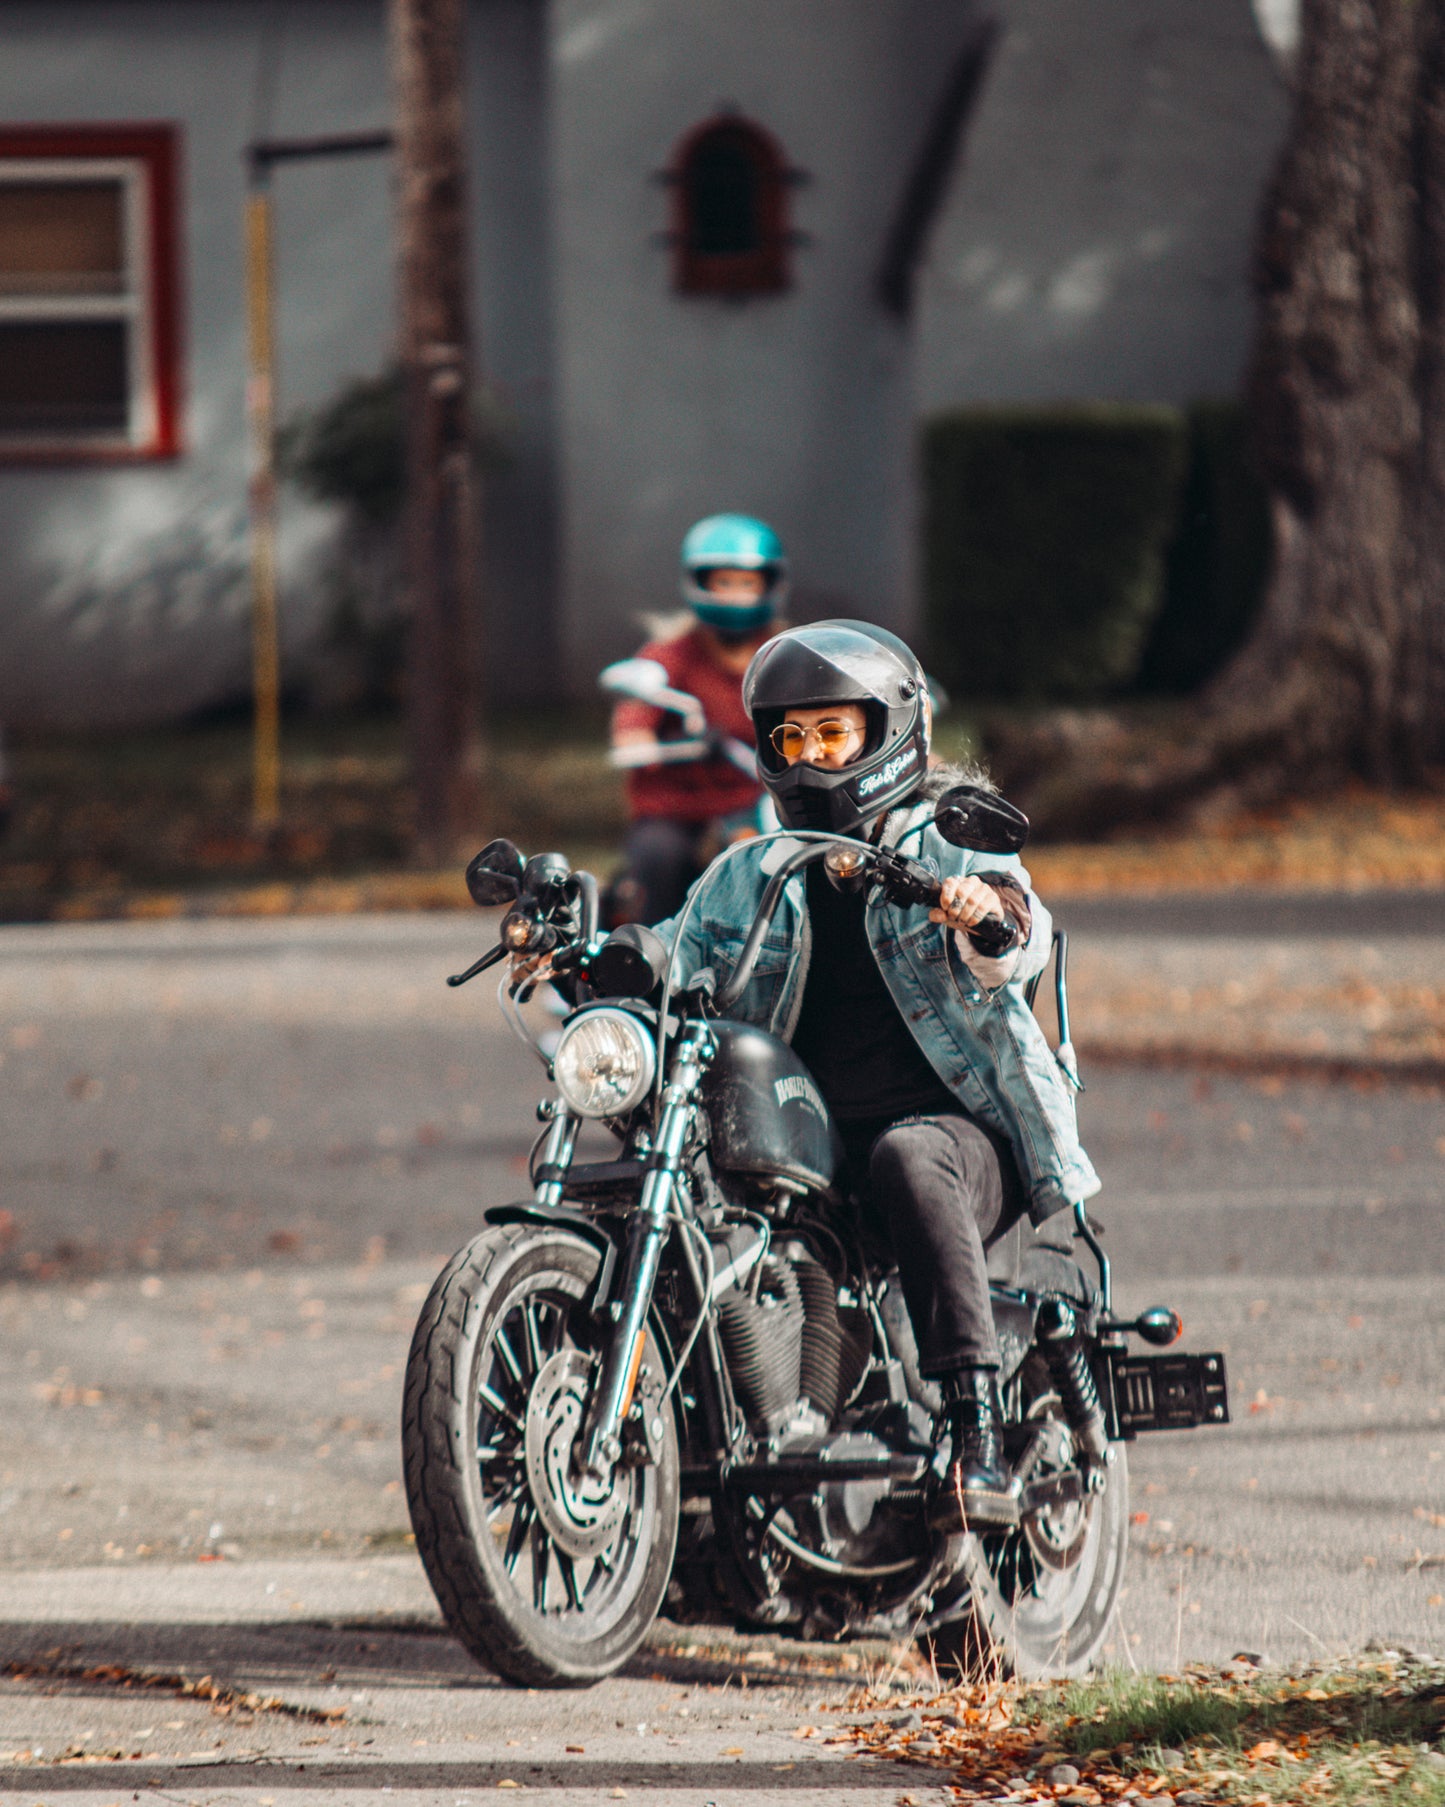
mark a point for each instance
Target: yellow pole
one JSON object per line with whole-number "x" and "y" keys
{"x": 261, "y": 408}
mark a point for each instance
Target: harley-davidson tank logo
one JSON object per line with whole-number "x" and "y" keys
{"x": 886, "y": 774}
{"x": 797, "y": 1089}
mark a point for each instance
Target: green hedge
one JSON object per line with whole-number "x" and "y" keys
{"x": 1044, "y": 537}
{"x": 1076, "y": 552}
{"x": 1217, "y": 564}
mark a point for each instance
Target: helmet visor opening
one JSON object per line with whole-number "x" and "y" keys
{"x": 766, "y": 723}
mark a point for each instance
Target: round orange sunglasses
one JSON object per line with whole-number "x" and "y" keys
{"x": 832, "y": 736}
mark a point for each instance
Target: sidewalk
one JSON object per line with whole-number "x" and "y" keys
{"x": 1311, "y": 997}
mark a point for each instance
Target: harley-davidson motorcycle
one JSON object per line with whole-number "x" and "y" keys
{"x": 681, "y": 1379}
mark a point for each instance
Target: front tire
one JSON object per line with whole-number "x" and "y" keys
{"x": 544, "y": 1580}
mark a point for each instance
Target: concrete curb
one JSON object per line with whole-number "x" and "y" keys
{"x": 389, "y": 892}
{"x": 1286, "y": 1062}
{"x": 386, "y": 893}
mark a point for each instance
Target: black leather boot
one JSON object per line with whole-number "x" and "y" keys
{"x": 976, "y": 1491}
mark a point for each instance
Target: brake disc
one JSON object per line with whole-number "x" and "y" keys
{"x": 578, "y": 1512}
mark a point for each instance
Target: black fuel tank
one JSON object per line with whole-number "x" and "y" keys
{"x": 764, "y": 1111}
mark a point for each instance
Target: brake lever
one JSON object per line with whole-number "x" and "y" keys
{"x": 490, "y": 958}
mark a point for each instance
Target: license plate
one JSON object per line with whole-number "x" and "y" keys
{"x": 1169, "y": 1392}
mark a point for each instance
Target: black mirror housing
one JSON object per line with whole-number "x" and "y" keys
{"x": 631, "y": 963}
{"x": 545, "y": 874}
{"x": 970, "y": 816}
{"x": 494, "y": 876}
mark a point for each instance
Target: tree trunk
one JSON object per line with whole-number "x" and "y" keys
{"x": 1337, "y": 406}
{"x": 444, "y": 677}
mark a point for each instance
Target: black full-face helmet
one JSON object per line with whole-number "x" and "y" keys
{"x": 840, "y": 662}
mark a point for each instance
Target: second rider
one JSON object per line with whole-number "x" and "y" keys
{"x": 734, "y": 582}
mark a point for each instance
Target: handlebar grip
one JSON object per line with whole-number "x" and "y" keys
{"x": 994, "y": 936}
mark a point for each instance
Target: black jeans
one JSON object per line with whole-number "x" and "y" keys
{"x": 939, "y": 1189}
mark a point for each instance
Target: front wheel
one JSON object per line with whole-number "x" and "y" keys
{"x": 545, "y": 1577}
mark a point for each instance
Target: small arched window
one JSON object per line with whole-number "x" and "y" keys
{"x": 730, "y": 229}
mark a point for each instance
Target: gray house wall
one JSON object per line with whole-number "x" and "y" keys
{"x": 796, "y": 406}
{"x": 124, "y": 591}
{"x": 1096, "y": 238}
{"x": 1093, "y": 242}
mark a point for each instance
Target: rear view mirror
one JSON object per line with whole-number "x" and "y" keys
{"x": 495, "y": 875}
{"x": 970, "y": 816}
{"x": 642, "y": 678}
{"x": 647, "y": 681}
{"x": 631, "y": 963}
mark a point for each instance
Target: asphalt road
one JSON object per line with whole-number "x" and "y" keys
{"x": 232, "y": 1158}
{"x": 1305, "y": 915}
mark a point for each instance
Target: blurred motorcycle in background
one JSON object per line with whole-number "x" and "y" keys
{"x": 687, "y": 740}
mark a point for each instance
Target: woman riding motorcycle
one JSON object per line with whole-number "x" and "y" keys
{"x": 954, "y": 1114}
{"x": 734, "y": 581}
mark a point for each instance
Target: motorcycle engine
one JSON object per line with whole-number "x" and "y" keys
{"x": 796, "y": 1357}
{"x": 790, "y": 1344}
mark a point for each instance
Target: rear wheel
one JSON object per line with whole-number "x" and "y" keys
{"x": 544, "y": 1576}
{"x": 1040, "y": 1599}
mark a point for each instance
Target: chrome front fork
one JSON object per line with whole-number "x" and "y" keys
{"x": 651, "y": 1227}
{"x": 556, "y": 1152}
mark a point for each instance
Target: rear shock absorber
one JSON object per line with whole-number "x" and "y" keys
{"x": 1073, "y": 1378}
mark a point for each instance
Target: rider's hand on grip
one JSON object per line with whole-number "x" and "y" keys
{"x": 969, "y": 905}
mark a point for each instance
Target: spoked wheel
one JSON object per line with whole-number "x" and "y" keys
{"x": 547, "y": 1577}
{"x": 1040, "y": 1598}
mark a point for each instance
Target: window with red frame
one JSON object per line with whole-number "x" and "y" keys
{"x": 89, "y": 326}
{"x": 730, "y": 234}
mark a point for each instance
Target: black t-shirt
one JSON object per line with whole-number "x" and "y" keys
{"x": 850, "y": 1033}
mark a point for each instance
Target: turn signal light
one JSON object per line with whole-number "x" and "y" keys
{"x": 523, "y": 930}
{"x": 1159, "y": 1325}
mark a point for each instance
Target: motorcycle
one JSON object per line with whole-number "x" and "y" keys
{"x": 646, "y": 681}
{"x": 679, "y": 1380}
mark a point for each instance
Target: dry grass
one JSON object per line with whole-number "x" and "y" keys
{"x": 157, "y": 823}
{"x": 1336, "y": 1735}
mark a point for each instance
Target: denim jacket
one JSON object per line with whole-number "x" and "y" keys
{"x": 982, "y": 1041}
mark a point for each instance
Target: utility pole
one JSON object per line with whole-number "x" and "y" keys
{"x": 262, "y": 154}
{"x": 261, "y": 407}
{"x": 442, "y": 525}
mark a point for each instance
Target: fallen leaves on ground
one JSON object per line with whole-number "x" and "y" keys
{"x": 224, "y": 1700}
{"x": 1356, "y": 840}
{"x": 1330, "y": 1735}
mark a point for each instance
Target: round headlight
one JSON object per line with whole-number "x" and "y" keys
{"x": 604, "y": 1064}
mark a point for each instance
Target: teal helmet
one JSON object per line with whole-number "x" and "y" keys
{"x": 733, "y": 542}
